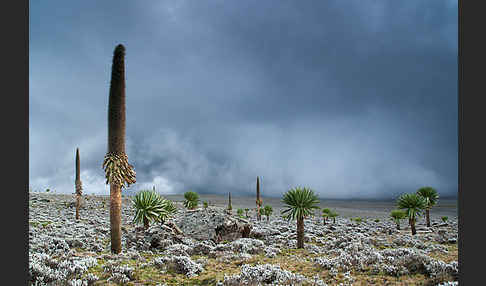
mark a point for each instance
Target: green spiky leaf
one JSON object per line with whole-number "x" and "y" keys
{"x": 412, "y": 204}
{"x": 429, "y": 194}
{"x": 299, "y": 203}
{"x": 192, "y": 200}
{"x": 152, "y": 206}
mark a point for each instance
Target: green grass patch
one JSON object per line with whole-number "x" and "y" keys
{"x": 34, "y": 223}
{"x": 40, "y": 223}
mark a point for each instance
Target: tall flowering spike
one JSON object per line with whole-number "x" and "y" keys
{"x": 258, "y": 199}
{"x": 78, "y": 177}
{"x": 258, "y": 191}
{"x": 77, "y": 184}
{"x": 230, "y": 207}
{"x": 117, "y": 170}
{"x": 116, "y": 104}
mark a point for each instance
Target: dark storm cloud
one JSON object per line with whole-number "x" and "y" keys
{"x": 351, "y": 98}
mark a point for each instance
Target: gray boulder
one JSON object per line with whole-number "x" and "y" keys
{"x": 212, "y": 224}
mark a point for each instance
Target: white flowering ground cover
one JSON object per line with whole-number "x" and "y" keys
{"x": 63, "y": 251}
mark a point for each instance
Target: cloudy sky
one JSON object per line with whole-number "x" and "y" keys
{"x": 354, "y": 99}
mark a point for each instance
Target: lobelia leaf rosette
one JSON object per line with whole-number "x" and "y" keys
{"x": 152, "y": 207}
{"x": 118, "y": 171}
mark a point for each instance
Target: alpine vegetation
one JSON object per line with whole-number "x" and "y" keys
{"x": 151, "y": 207}
{"x": 430, "y": 195}
{"x": 259, "y": 201}
{"x": 413, "y": 205}
{"x": 230, "y": 207}
{"x": 264, "y": 274}
{"x": 78, "y": 185}
{"x": 325, "y": 214}
{"x": 358, "y": 220}
{"x": 194, "y": 247}
{"x": 118, "y": 172}
{"x": 262, "y": 211}
{"x": 299, "y": 203}
{"x": 267, "y": 211}
{"x": 333, "y": 215}
{"x": 396, "y": 216}
{"x": 170, "y": 210}
{"x": 191, "y": 200}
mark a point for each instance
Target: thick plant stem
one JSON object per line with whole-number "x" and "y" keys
{"x": 145, "y": 223}
{"x": 115, "y": 218}
{"x": 116, "y": 139}
{"x": 412, "y": 226}
{"x": 230, "y": 207}
{"x": 300, "y": 232}
{"x": 427, "y": 217}
{"x": 78, "y": 203}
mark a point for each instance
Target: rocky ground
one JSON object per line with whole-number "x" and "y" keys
{"x": 207, "y": 247}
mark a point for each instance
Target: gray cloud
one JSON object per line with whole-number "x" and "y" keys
{"x": 354, "y": 99}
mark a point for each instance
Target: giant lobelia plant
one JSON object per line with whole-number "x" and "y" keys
{"x": 151, "y": 207}
{"x": 118, "y": 173}
{"x": 299, "y": 203}
{"x": 78, "y": 185}
{"x": 396, "y": 216}
{"x": 191, "y": 200}
{"x": 430, "y": 195}
{"x": 230, "y": 207}
{"x": 259, "y": 201}
{"x": 413, "y": 205}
